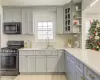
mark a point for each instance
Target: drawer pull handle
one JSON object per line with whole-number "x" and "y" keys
{"x": 82, "y": 78}
{"x": 91, "y": 76}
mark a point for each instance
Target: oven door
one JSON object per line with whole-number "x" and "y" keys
{"x": 9, "y": 61}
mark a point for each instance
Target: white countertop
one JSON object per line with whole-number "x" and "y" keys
{"x": 40, "y": 49}
{"x": 89, "y": 57}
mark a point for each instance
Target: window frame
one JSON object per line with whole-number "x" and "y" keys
{"x": 44, "y": 40}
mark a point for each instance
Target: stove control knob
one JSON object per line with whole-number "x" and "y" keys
{"x": 11, "y": 51}
{"x": 7, "y": 51}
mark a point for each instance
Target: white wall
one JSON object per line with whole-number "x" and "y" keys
{"x": 34, "y": 2}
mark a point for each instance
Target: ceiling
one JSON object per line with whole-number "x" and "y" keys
{"x": 95, "y": 9}
{"x": 33, "y": 2}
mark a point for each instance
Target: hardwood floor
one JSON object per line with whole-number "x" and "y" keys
{"x": 36, "y": 77}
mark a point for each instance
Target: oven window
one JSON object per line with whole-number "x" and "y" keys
{"x": 8, "y": 62}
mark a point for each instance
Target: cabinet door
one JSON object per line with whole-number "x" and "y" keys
{"x": 79, "y": 76}
{"x": 8, "y": 15}
{"x": 72, "y": 70}
{"x": 30, "y": 22}
{"x": 52, "y": 65}
{"x": 24, "y": 22}
{"x": 40, "y": 63}
{"x": 67, "y": 19}
{"x": 31, "y": 63}
{"x": 60, "y": 20}
{"x": 22, "y": 63}
{"x": 16, "y": 15}
{"x": 61, "y": 61}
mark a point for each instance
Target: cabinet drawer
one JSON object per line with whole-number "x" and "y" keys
{"x": 60, "y": 51}
{"x": 39, "y": 53}
{"x": 26, "y": 52}
{"x": 89, "y": 74}
{"x": 50, "y": 52}
{"x": 79, "y": 66}
{"x": 72, "y": 58}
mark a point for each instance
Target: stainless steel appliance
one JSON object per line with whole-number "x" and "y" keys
{"x": 12, "y": 28}
{"x": 9, "y": 58}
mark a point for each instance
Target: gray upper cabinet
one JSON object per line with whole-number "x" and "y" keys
{"x": 67, "y": 18}
{"x": 59, "y": 28}
{"x": 12, "y": 15}
{"x": 72, "y": 17}
{"x": 27, "y": 21}
{"x": 17, "y": 15}
{"x": 7, "y": 15}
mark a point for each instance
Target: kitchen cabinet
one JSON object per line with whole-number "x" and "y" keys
{"x": 67, "y": 65}
{"x": 61, "y": 61}
{"x": 79, "y": 76}
{"x": 12, "y": 14}
{"x": 67, "y": 18}
{"x": 90, "y": 75}
{"x": 23, "y": 64}
{"x": 27, "y": 21}
{"x": 40, "y": 63}
{"x": 70, "y": 66}
{"x": 26, "y": 63}
{"x": 52, "y": 64}
{"x": 72, "y": 17}
{"x": 31, "y": 63}
{"x": 60, "y": 20}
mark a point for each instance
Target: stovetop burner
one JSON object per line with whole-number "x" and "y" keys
{"x": 12, "y": 47}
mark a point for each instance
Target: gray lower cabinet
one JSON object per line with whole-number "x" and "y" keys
{"x": 26, "y": 64}
{"x": 40, "y": 63}
{"x": 52, "y": 64}
{"x": 61, "y": 61}
{"x": 31, "y": 63}
{"x": 23, "y": 64}
{"x": 79, "y": 76}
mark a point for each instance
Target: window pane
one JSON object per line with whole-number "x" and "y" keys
{"x": 50, "y": 24}
{"x": 44, "y": 23}
{"x": 50, "y": 27}
{"x": 45, "y": 28}
{"x": 45, "y": 32}
{"x": 50, "y": 32}
{"x": 40, "y": 32}
{"x": 40, "y": 24}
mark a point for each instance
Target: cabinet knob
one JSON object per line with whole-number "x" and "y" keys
{"x": 82, "y": 78}
{"x": 91, "y": 76}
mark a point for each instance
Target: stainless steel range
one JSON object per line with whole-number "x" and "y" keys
{"x": 9, "y": 58}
